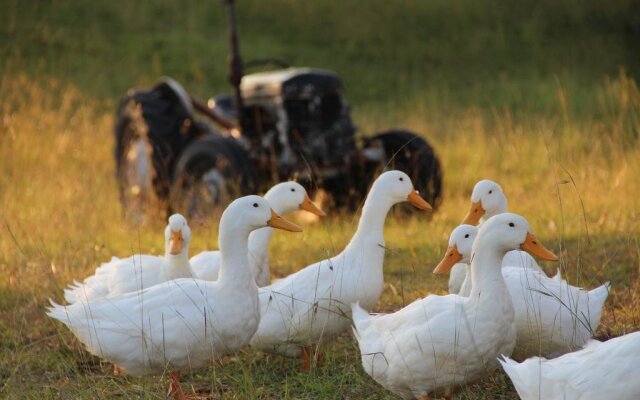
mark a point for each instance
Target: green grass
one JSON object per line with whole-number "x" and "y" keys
{"x": 492, "y": 54}
{"x": 541, "y": 97}
{"x": 60, "y": 218}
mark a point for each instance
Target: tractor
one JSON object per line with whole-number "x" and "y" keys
{"x": 178, "y": 154}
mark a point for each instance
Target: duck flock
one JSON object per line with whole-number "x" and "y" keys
{"x": 169, "y": 314}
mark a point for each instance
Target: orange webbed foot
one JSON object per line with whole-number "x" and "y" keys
{"x": 308, "y": 356}
{"x": 175, "y": 390}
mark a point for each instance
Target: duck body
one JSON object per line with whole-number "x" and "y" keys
{"x": 552, "y": 317}
{"x": 438, "y": 343}
{"x": 284, "y": 198}
{"x": 206, "y": 265}
{"x": 602, "y": 370}
{"x": 430, "y": 347}
{"x": 313, "y": 304}
{"x": 183, "y": 323}
{"x": 176, "y": 325}
{"x": 139, "y": 271}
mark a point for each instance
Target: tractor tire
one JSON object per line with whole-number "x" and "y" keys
{"x": 143, "y": 177}
{"x": 412, "y": 154}
{"x": 210, "y": 173}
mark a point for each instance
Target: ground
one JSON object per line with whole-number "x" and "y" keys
{"x": 548, "y": 110}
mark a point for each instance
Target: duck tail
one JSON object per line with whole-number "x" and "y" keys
{"x": 79, "y": 291}
{"x": 71, "y": 291}
{"x": 92, "y": 288}
{"x": 597, "y": 297}
{"x": 57, "y": 311}
{"x": 508, "y": 364}
{"x": 517, "y": 372}
{"x": 360, "y": 318}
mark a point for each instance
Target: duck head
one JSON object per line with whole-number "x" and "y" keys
{"x": 177, "y": 235}
{"x": 254, "y": 212}
{"x": 287, "y": 197}
{"x": 508, "y": 232}
{"x": 397, "y": 186}
{"x": 487, "y": 200}
{"x": 460, "y": 244}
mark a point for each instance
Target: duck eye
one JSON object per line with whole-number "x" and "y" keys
{"x": 490, "y": 191}
{"x": 255, "y": 205}
{"x": 511, "y": 224}
{"x": 466, "y": 236}
{"x": 293, "y": 189}
{"x": 401, "y": 179}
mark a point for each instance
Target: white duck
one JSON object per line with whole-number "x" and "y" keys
{"x": 460, "y": 242}
{"x": 141, "y": 270}
{"x": 284, "y": 198}
{"x": 313, "y": 303}
{"x": 487, "y": 200}
{"x": 438, "y": 343}
{"x": 552, "y": 317}
{"x": 183, "y": 323}
{"x": 602, "y": 370}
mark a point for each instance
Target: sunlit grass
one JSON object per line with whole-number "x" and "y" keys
{"x": 577, "y": 180}
{"x": 473, "y": 52}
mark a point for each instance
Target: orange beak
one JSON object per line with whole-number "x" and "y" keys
{"x": 308, "y": 205}
{"x": 415, "y": 200}
{"x": 533, "y": 246}
{"x": 451, "y": 257}
{"x": 475, "y": 213}
{"x": 175, "y": 243}
{"x": 278, "y": 222}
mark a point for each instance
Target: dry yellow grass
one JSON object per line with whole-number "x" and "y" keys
{"x": 577, "y": 181}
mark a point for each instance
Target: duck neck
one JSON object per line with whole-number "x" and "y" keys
{"x": 234, "y": 261}
{"x": 371, "y": 225}
{"x": 178, "y": 265}
{"x": 260, "y": 239}
{"x": 500, "y": 208}
{"x": 465, "y": 288}
{"x": 486, "y": 271}
{"x": 259, "y": 245}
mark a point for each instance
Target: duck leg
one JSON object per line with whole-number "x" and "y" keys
{"x": 117, "y": 371}
{"x": 319, "y": 359}
{"x": 175, "y": 390}
{"x": 308, "y": 355}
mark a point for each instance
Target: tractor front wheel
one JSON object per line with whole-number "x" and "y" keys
{"x": 412, "y": 154}
{"x": 210, "y": 173}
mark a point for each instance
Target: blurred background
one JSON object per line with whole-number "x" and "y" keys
{"x": 435, "y": 56}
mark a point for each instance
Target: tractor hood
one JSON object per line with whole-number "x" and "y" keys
{"x": 289, "y": 83}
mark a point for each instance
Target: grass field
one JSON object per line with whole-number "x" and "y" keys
{"x": 541, "y": 97}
